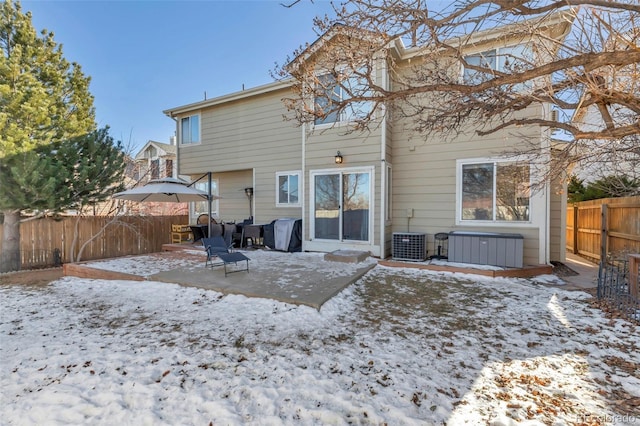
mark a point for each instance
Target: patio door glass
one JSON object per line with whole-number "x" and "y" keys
{"x": 355, "y": 206}
{"x": 327, "y": 206}
{"x": 341, "y": 206}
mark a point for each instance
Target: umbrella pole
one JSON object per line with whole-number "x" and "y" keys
{"x": 209, "y": 198}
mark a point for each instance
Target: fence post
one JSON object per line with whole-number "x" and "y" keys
{"x": 575, "y": 229}
{"x": 604, "y": 209}
{"x": 634, "y": 271}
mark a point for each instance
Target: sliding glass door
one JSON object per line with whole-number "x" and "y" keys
{"x": 341, "y": 205}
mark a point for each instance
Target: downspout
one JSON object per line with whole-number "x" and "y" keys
{"x": 210, "y": 200}
{"x": 253, "y": 199}
{"x": 383, "y": 165}
{"x": 545, "y": 136}
{"x": 303, "y": 186}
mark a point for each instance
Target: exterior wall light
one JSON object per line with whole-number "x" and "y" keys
{"x": 338, "y": 158}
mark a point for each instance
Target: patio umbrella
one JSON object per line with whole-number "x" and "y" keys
{"x": 166, "y": 190}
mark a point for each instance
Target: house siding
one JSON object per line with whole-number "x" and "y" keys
{"x": 248, "y": 131}
{"x": 424, "y": 180}
{"x": 244, "y": 144}
{"x": 558, "y": 213}
{"x": 357, "y": 150}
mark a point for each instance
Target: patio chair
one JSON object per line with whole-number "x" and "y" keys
{"x": 216, "y": 230}
{"x": 217, "y": 247}
{"x": 238, "y": 236}
{"x": 253, "y": 233}
{"x": 198, "y": 233}
{"x": 229, "y": 230}
{"x": 202, "y": 219}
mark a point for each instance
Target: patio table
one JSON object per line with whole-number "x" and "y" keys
{"x": 253, "y": 232}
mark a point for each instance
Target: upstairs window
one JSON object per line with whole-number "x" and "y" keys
{"x": 288, "y": 184}
{"x": 495, "y": 191}
{"x": 190, "y": 129}
{"x": 506, "y": 59}
{"x": 337, "y": 88}
{"x": 155, "y": 169}
{"x": 484, "y": 60}
{"x": 168, "y": 168}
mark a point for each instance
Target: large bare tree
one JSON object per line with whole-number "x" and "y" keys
{"x": 581, "y": 62}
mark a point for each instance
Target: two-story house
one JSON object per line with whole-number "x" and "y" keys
{"x": 157, "y": 160}
{"x": 354, "y": 190}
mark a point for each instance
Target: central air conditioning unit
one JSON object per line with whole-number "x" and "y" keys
{"x": 409, "y": 246}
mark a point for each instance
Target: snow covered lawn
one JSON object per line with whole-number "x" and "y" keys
{"x": 400, "y": 347}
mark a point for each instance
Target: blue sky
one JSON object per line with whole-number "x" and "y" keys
{"x": 147, "y": 56}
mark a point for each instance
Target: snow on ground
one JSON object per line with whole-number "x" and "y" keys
{"x": 147, "y": 265}
{"x": 401, "y": 347}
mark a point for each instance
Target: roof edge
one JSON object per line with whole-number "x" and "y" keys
{"x": 230, "y": 97}
{"x": 560, "y": 17}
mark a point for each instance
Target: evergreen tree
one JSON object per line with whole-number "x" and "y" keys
{"x": 611, "y": 186}
{"x": 575, "y": 189}
{"x": 51, "y": 156}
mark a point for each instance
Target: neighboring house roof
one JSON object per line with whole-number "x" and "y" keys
{"x": 601, "y": 157}
{"x": 164, "y": 149}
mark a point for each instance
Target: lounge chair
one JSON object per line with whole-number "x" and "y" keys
{"x": 216, "y": 247}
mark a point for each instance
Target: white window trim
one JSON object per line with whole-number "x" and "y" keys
{"x": 340, "y": 122}
{"x": 536, "y": 200}
{"x": 215, "y": 204}
{"x": 341, "y": 243}
{"x": 289, "y": 173}
{"x": 182, "y": 144}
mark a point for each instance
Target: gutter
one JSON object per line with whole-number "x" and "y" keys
{"x": 243, "y": 94}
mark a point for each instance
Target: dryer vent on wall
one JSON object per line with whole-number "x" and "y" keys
{"x": 409, "y": 246}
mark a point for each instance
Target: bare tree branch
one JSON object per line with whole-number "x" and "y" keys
{"x": 482, "y": 65}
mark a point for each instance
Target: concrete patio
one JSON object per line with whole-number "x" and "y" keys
{"x": 298, "y": 278}
{"x": 308, "y": 279}
{"x": 297, "y": 284}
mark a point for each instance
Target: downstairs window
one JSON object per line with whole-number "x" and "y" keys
{"x": 494, "y": 191}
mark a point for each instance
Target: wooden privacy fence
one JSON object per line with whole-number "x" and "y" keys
{"x": 599, "y": 228}
{"x": 46, "y": 242}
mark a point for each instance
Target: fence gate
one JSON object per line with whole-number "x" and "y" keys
{"x": 618, "y": 287}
